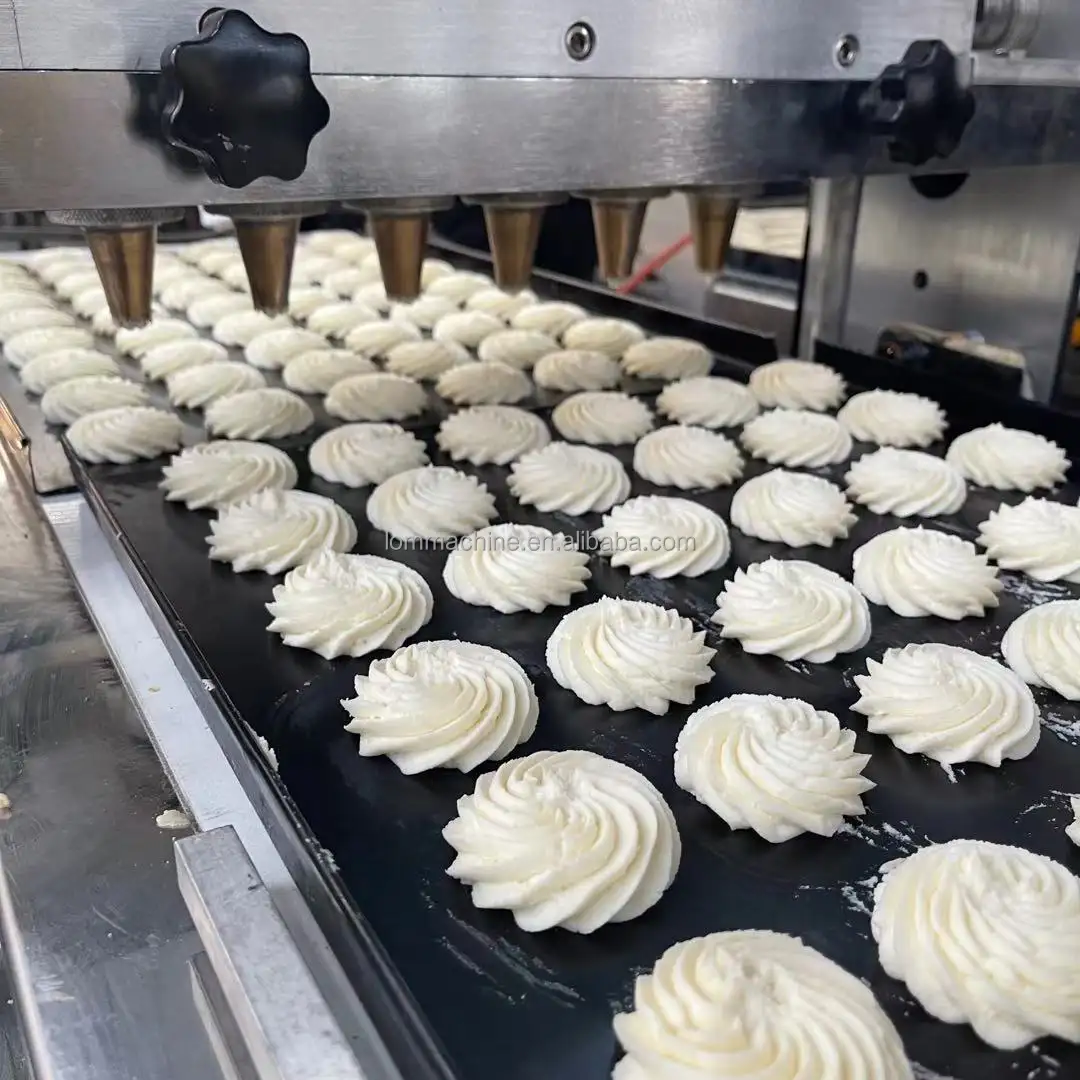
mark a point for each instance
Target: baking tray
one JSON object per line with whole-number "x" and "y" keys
{"x": 483, "y": 998}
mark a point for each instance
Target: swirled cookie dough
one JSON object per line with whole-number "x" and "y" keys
{"x": 798, "y": 438}
{"x": 70, "y": 285}
{"x": 686, "y": 458}
{"x": 216, "y": 473}
{"x": 517, "y": 348}
{"x": 379, "y": 396}
{"x": 571, "y": 479}
{"x": 273, "y": 349}
{"x": 303, "y": 303}
{"x": 951, "y": 704}
{"x": 906, "y": 483}
{"x": 138, "y": 342}
{"x": 491, "y": 434}
{"x": 27, "y": 297}
{"x": 180, "y": 294}
{"x": 667, "y": 358}
{"x": 314, "y": 268}
{"x": 376, "y": 339}
{"x": 87, "y": 304}
{"x": 889, "y": 418}
{"x": 275, "y": 530}
{"x": 483, "y": 384}
{"x": 238, "y": 329}
{"x": 124, "y": 434}
{"x": 424, "y": 312}
{"x": 520, "y": 846}
{"x": 67, "y": 401}
{"x": 502, "y": 305}
{"x": 917, "y": 572}
{"x": 349, "y": 605}
{"x": 164, "y": 360}
{"x": 426, "y": 359}
{"x": 1008, "y": 459}
{"x": 792, "y": 508}
{"x": 208, "y": 310}
{"x": 664, "y": 537}
{"x": 459, "y": 286}
{"x": 56, "y": 367}
{"x": 196, "y": 387}
{"x": 1043, "y": 647}
{"x": 338, "y": 320}
{"x": 15, "y": 323}
{"x": 553, "y": 317}
{"x": 797, "y": 384}
{"x": 347, "y": 282}
{"x": 713, "y": 1009}
{"x": 320, "y": 370}
{"x": 597, "y": 417}
{"x": 357, "y": 455}
{"x": 516, "y": 568}
{"x": 434, "y": 503}
{"x": 795, "y": 610}
{"x": 30, "y": 344}
{"x": 612, "y": 337}
{"x": 576, "y": 369}
{"x": 466, "y": 328}
{"x": 1039, "y": 537}
{"x": 986, "y": 935}
{"x": 629, "y": 654}
{"x": 267, "y": 413}
{"x": 442, "y": 705}
{"x": 373, "y": 295}
{"x": 710, "y": 401}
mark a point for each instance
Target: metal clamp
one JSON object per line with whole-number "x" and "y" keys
{"x": 277, "y": 1012}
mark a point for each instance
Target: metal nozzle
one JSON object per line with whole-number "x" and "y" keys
{"x": 122, "y": 244}
{"x": 617, "y": 220}
{"x": 513, "y": 229}
{"x": 712, "y": 219}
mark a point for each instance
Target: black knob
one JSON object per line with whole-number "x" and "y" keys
{"x": 919, "y": 104}
{"x": 241, "y": 100}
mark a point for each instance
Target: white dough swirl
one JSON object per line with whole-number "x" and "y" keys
{"x": 266, "y": 413}
{"x": 378, "y": 338}
{"x": 373, "y": 295}
{"x": 124, "y": 434}
{"x": 612, "y": 337}
{"x": 318, "y": 371}
{"x": 708, "y": 401}
{"x": 1043, "y": 647}
{"x": 629, "y": 654}
{"x": 917, "y": 572}
{"x": 951, "y": 704}
{"x": 483, "y": 384}
{"x": 164, "y": 360}
{"x": 565, "y": 838}
{"x": 349, "y": 605}
{"x": 792, "y": 508}
{"x": 502, "y": 305}
{"x": 442, "y": 705}
{"x": 797, "y": 384}
{"x": 1039, "y": 537}
{"x": 207, "y": 310}
{"x": 378, "y": 396}
{"x": 30, "y": 344}
{"x": 771, "y": 764}
{"x": 687, "y": 457}
{"x": 67, "y": 401}
{"x": 664, "y": 537}
{"x": 347, "y": 282}
{"x": 273, "y": 349}
{"x": 755, "y": 1005}
{"x": 552, "y": 317}
{"x": 514, "y": 568}
{"x": 52, "y": 368}
{"x": 240, "y": 328}
{"x": 792, "y": 609}
{"x": 357, "y": 455}
{"x": 889, "y": 418}
{"x": 196, "y": 387}
{"x": 491, "y": 434}
{"x": 303, "y": 303}
{"x": 216, "y": 473}
{"x": 987, "y": 935}
{"x": 607, "y": 417}
{"x": 1008, "y": 459}
{"x": 906, "y": 483}
{"x": 576, "y": 369}
{"x": 138, "y": 342}
{"x": 459, "y": 286}
{"x": 572, "y": 479}
{"x": 424, "y": 312}
{"x": 427, "y": 359}
{"x": 667, "y": 358}
{"x": 275, "y": 530}
{"x": 17, "y": 322}
{"x": 336, "y": 320}
{"x": 432, "y": 502}
{"x": 797, "y": 438}
{"x": 180, "y": 294}
{"x": 517, "y": 348}
{"x": 467, "y": 328}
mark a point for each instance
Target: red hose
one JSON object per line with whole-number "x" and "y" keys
{"x": 653, "y": 265}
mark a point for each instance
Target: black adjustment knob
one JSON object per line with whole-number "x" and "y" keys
{"x": 241, "y": 100}
{"x": 919, "y": 104}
